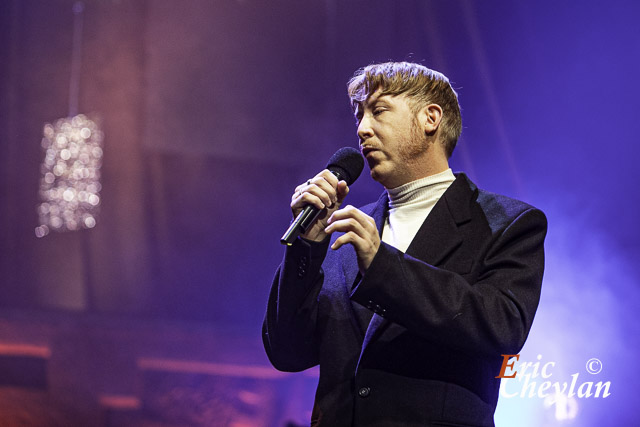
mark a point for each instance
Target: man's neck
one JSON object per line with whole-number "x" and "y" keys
{"x": 415, "y": 174}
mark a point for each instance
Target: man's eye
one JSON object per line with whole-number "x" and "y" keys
{"x": 378, "y": 111}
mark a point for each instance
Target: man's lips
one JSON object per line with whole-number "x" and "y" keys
{"x": 367, "y": 150}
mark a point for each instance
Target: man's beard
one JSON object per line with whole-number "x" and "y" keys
{"x": 415, "y": 145}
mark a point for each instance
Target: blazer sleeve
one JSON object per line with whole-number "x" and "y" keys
{"x": 492, "y": 315}
{"x": 288, "y": 330}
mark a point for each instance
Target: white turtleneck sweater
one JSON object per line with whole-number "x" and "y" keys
{"x": 409, "y": 206}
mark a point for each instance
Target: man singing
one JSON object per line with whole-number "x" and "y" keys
{"x": 409, "y": 303}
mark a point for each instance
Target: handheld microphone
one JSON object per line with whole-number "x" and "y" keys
{"x": 346, "y": 164}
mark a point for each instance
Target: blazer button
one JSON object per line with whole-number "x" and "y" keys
{"x": 364, "y": 391}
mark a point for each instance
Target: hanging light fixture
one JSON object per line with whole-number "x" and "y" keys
{"x": 70, "y": 172}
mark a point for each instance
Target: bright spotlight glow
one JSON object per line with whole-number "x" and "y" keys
{"x": 70, "y": 175}
{"x": 566, "y": 407}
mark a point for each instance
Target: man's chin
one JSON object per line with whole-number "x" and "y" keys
{"x": 377, "y": 174}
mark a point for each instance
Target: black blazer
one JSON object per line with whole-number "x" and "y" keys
{"x": 418, "y": 340}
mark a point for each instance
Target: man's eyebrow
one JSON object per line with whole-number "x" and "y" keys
{"x": 369, "y": 102}
{"x": 360, "y": 106}
{"x": 373, "y": 101}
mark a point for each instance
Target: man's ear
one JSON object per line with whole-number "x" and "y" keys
{"x": 430, "y": 118}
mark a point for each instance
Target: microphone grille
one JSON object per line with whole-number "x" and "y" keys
{"x": 347, "y": 163}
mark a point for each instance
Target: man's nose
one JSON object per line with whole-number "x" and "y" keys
{"x": 364, "y": 129}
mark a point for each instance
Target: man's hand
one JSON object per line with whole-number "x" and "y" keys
{"x": 360, "y": 231}
{"x": 323, "y": 191}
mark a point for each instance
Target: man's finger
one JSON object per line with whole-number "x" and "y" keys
{"x": 350, "y": 237}
{"x": 349, "y": 224}
{"x": 307, "y": 199}
{"x": 351, "y": 212}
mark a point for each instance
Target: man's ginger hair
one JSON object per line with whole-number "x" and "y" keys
{"x": 422, "y": 85}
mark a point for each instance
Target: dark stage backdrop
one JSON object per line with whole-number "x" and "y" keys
{"x": 213, "y": 111}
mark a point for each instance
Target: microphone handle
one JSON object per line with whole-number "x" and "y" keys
{"x": 303, "y": 221}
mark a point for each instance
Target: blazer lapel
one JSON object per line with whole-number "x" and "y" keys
{"x": 439, "y": 235}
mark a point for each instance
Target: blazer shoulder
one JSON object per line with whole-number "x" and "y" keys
{"x": 501, "y": 210}
{"x": 467, "y": 201}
